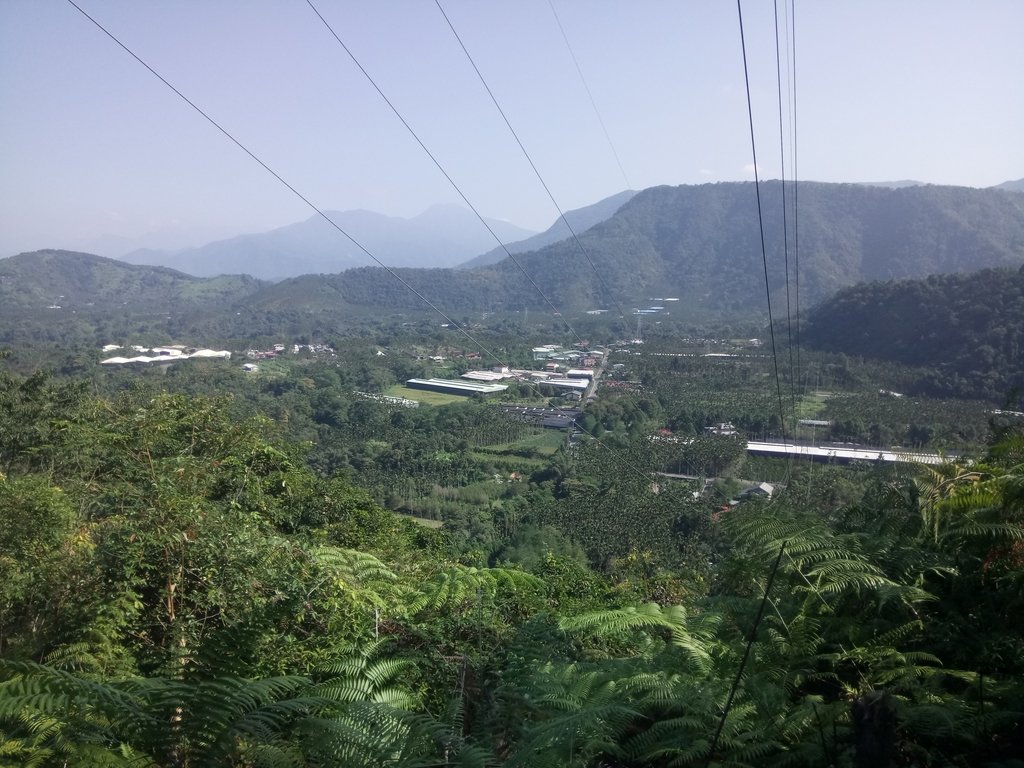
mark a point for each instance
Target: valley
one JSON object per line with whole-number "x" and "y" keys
{"x": 505, "y": 529}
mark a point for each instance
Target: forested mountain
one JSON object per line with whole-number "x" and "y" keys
{"x": 702, "y": 245}
{"x": 968, "y": 328}
{"x": 442, "y": 236}
{"x": 70, "y": 280}
{"x": 1011, "y": 186}
{"x": 580, "y": 220}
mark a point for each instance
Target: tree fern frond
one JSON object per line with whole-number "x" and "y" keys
{"x": 458, "y": 586}
{"x": 353, "y": 565}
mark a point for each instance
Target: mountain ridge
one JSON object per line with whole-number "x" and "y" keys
{"x": 580, "y": 219}
{"x": 968, "y": 329}
{"x": 58, "y": 279}
{"x": 701, "y": 244}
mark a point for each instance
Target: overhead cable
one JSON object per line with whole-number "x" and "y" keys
{"x": 529, "y": 159}
{"x": 785, "y": 216}
{"x": 444, "y": 173}
{"x": 597, "y": 112}
{"x": 227, "y": 134}
{"x": 760, "y": 221}
{"x": 316, "y": 209}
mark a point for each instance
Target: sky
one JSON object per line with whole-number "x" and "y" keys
{"x": 97, "y": 154}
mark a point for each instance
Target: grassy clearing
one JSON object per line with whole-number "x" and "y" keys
{"x": 812, "y": 404}
{"x": 544, "y": 443}
{"x": 271, "y": 369}
{"x": 541, "y": 445}
{"x": 425, "y": 397}
{"x": 508, "y": 462}
{"x": 426, "y": 523}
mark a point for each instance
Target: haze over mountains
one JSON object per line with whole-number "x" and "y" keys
{"x": 442, "y": 236}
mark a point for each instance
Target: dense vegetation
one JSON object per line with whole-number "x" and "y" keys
{"x": 968, "y": 330}
{"x": 206, "y": 566}
{"x": 186, "y": 582}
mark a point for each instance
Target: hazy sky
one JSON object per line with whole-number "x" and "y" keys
{"x": 94, "y": 145}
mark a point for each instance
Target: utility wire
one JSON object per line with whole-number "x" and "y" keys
{"x": 785, "y": 217}
{"x": 320, "y": 213}
{"x": 789, "y": 8}
{"x": 760, "y": 221}
{"x": 586, "y": 87}
{"x": 465, "y": 199}
{"x": 280, "y": 179}
{"x": 529, "y": 159}
{"x": 444, "y": 173}
{"x": 796, "y": 189}
{"x": 785, "y": 228}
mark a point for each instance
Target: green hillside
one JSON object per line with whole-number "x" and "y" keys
{"x": 702, "y": 245}
{"x": 967, "y": 329}
{"x": 73, "y": 281}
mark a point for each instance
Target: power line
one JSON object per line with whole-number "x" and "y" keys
{"x": 280, "y": 179}
{"x": 463, "y": 196}
{"x": 785, "y": 217}
{"x": 320, "y": 213}
{"x": 444, "y": 173}
{"x": 796, "y": 189}
{"x": 586, "y": 87}
{"x": 760, "y": 221}
{"x": 746, "y": 655}
{"x": 529, "y": 159}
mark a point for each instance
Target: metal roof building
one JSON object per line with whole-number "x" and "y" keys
{"x": 455, "y": 387}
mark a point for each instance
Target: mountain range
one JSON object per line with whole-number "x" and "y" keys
{"x": 699, "y": 244}
{"x": 441, "y": 236}
{"x": 702, "y": 245}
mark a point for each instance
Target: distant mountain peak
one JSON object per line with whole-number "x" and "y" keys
{"x": 580, "y": 219}
{"x": 442, "y": 236}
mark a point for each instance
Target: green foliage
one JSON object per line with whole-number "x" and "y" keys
{"x": 202, "y": 596}
{"x": 965, "y": 329}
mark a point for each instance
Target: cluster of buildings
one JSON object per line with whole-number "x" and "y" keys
{"x": 655, "y": 309}
{"x": 404, "y": 402}
{"x": 555, "y": 357}
{"x": 265, "y": 354}
{"x": 487, "y": 383}
{"x": 566, "y": 372}
{"x": 456, "y": 387}
{"x": 162, "y": 355}
{"x": 316, "y": 350}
